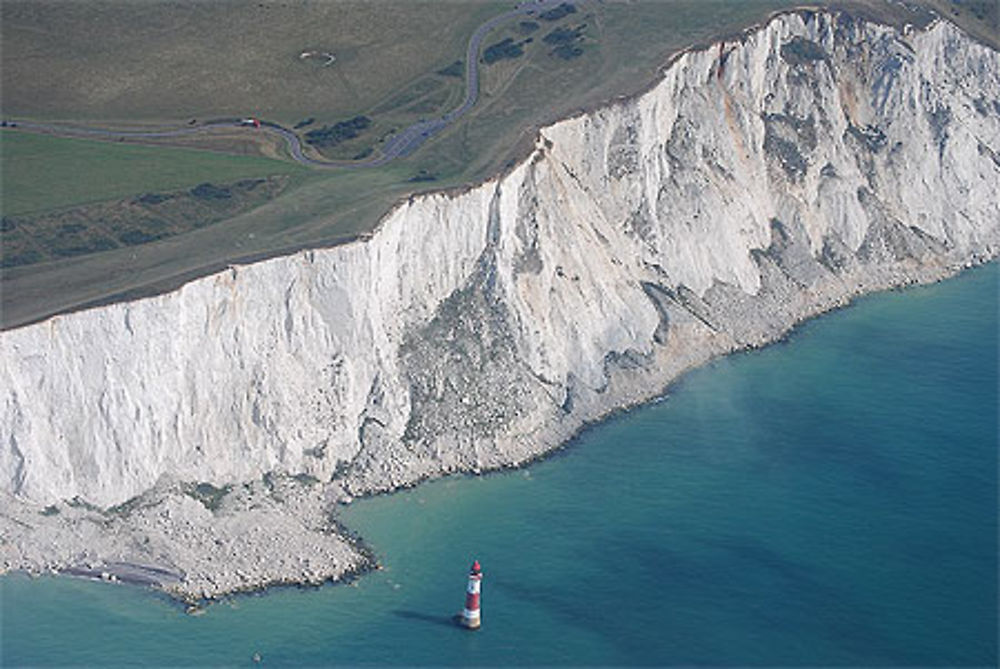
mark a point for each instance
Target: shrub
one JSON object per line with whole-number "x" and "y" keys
{"x": 502, "y": 50}
{"x": 207, "y": 191}
{"x": 556, "y": 13}
{"x": 562, "y": 36}
{"x": 331, "y": 135}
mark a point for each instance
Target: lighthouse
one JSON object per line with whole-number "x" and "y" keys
{"x": 470, "y": 614}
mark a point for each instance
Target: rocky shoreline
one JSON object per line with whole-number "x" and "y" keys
{"x": 197, "y": 548}
{"x": 201, "y": 546}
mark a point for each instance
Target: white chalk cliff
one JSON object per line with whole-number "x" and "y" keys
{"x": 760, "y": 182}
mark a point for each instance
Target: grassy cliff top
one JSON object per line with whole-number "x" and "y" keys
{"x": 313, "y": 65}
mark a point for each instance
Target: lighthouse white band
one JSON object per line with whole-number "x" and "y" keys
{"x": 473, "y": 587}
{"x": 466, "y": 613}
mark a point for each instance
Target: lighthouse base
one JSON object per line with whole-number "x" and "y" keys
{"x": 467, "y": 623}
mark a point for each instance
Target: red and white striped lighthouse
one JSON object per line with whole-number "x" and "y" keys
{"x": 470, "y": 614}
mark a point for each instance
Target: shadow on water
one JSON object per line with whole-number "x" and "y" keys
{"x": 447, "y": 621}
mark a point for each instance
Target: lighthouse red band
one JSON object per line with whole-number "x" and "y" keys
{"x": 470, "y": 615}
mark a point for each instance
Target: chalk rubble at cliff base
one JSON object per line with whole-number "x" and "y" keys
{"x": 276, "y": 530}
{"x": 761, "y": 182}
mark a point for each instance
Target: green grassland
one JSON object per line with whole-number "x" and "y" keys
{"x": 41, "y": 172}
{"x": 107, "y": 60}
{"x": 389, "y": 69}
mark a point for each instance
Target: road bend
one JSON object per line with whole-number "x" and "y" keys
{"x": 401, "y": 144}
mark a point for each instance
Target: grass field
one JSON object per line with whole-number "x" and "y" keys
{"x": 195, "y": 59}
{"x": 155, "y": 60}
{"x": 41, "y": 172}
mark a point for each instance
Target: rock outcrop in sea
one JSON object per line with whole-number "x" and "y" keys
{"x": 760, "y": 182}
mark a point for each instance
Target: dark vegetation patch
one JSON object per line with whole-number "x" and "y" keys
{"x": 331, "y": 135}
{"x": 567, "y": 51}
{"x": 71, "y": 229}
{"x": 206, "y": 493}
{"x": 801, "y": 51}
{"x": 527, "y": 27}
{"x": 362, "y": 154}
{"x": 76, "y": 239}
{"x": 566, "y": 41}
{"x": 422, "y": 175}
{"x": 146, "y": 218}
{"x": 249, "y": 184}
{"x": 303, "y": 123}
{"x": 556, "y": 13}
{"x": 136, "y": 237}
{"x": 503, "y": 50}
{"x": 15, "y": 259}
{"x": 91, "y": 246}
{"x": 50, "y": 510}
{"x": 129, "y": 506}
{"x": 562, "y": 35}
{"x": 456, "y": 69}
{"x": 207, "y": 191}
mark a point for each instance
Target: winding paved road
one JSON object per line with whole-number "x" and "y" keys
{"x": 401, "y": 144}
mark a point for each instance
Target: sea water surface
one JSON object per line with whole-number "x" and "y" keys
{"x": 831, "y": 500}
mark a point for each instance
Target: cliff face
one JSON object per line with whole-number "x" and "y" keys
{"x": 758, "y": 183}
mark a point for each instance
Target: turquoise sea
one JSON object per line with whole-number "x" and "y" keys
{"x": 830, "y": 500}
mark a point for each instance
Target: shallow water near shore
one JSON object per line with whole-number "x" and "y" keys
{"x": 830, "y": 500}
